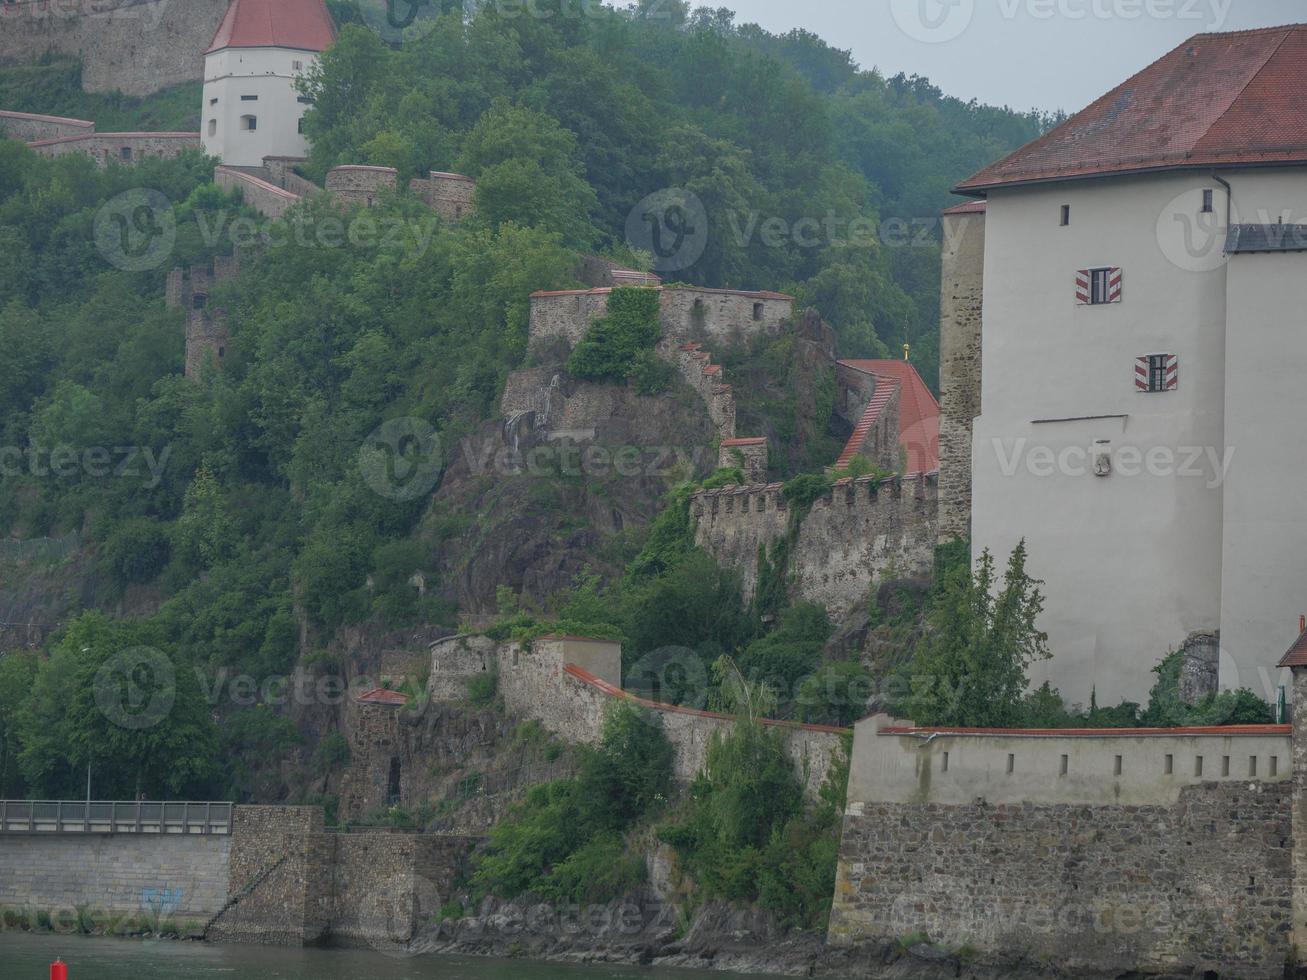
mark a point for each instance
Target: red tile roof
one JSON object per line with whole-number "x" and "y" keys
{"x": 1296, "y": 655}
{"x": 301, "y": 24}
{"x": 1093, "y": 732}
{"x": 969, "y": 207}
{"x": 749, "y": 441}
{"x": 918, "y": 415}
{"x": 1217, "y": 100}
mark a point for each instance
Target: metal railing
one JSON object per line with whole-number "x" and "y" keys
{"x": 81, "y": 817}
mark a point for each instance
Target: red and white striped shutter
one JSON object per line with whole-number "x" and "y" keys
{"x": 1114, "y": 282}
{"x": 1082, "y": 287}
{"x": 1141, "y": 373}
{"x": 1172, "y": 372}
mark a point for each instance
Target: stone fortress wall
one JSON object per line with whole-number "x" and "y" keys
{"x": 960, "y": 309}
{"x": 861, "y": 532}
{"x": 1135, "y": 850}
{"x": 136, "y": 47}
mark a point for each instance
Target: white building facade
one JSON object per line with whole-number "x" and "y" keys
{"x": 252, "y": 108}
{"x": 1141, "y": 408}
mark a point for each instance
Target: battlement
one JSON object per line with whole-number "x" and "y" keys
{"x": 688, "y": 313}
{"x": 859, "y": 531}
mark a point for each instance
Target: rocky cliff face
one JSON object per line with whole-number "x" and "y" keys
{"x": 533, "y": 510}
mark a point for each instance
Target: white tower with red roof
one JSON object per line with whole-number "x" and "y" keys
{"x": 252, "y": 108}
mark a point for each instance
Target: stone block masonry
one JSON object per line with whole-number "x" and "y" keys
{"x": 360, "y": 184}
{"x": 263, "y": 196}
{"x": 29, "y": 127}
{"x": 864, "y": 530}
{"x": 1128, "y": 851}
{"x": 136, "y": 47}
{"x": 449, "y": 195}
{"x": 960, "y": 312}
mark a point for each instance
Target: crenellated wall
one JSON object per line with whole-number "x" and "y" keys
{"x": 721, "y": 317}
{"x": 863, "y": 530}
{"x": 705, "y": 377}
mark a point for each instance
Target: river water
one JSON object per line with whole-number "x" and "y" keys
{"x": 27, "y": 956}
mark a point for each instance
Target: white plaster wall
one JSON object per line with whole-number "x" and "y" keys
{"x": 1264, "y": 568}
{"x": 268, "y": 73}
{"x": 1130, "y": 563}
{"x": 912, "y": 769}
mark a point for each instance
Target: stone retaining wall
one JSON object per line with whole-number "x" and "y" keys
{"x": 28, "y": 127}
{"x": 121, "y": 148}
{"x": 264, "y": 197}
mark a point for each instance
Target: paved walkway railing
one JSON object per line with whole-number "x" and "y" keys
{"x": 81, "y": 817}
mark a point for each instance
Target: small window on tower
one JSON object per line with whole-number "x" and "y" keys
{"x": 1208, "y": 201}
{"x": 249, "y": 98}
{"x": 125, "y": 152}
{"x": 304, "y": 100}
{"x": 1066, "y": 215}
{"x": 1098, "y": 286}
{"x": 300, "y": 126}
{"x": 249, "y": 123}
{"x": 213, "y": 127}
{"x": 213, "y": 101}
{"x": 296, "y": 65}
{"x": 757, "y": 311}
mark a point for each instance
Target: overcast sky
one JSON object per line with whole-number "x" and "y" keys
{"x": 1044, "y": 54}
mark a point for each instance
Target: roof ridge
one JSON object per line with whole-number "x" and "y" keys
{"x": 1252, "y": 30}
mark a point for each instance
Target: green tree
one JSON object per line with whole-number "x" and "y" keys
{"x": 969, "y": 668}
{"x": 109, "y": 698}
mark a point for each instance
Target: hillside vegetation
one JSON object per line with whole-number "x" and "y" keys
{"x": 233, "y": 527}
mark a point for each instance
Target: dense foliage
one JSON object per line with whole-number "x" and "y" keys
{"x": 566, "y": 839}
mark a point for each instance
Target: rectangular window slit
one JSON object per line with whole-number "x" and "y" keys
{"x": 1252, "y": 765}
{"x": 1170, "y": 764}
{"x": 1208, "y": 201}
{"x": 1011, "y": 762}
{"x": 1066, "y": 215}
{"x": 1275, "y": 765}
{"x": 945, "y": 765}
{"x": 1225, "y": 765}
{"x": 1198, "y": 765}
{"x": 1064, "y": 765}
{"x": 1116, "y": 767}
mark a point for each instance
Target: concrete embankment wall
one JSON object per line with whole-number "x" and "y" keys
{"x": 184, "y": 876}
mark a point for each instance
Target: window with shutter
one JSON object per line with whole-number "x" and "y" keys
{"x": 1157, "y": 372}
{"x": 1095, "y": 287}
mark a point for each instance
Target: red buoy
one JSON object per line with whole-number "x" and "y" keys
{"x": 58, "y": 970}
